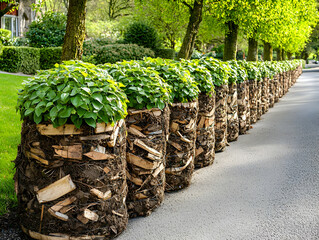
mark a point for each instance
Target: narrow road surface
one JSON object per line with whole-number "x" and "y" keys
{"x": 264, "y": 186}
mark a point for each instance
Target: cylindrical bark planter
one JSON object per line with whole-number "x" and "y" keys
{"x": 221, "y": 118}
{"x": 277, "y": 87}
{"x": 253, "y": 92}
{"x": 259, "y": 100}
{"x": 286, "y": 82}
{"x": 146, "y": 150}
{"x": 272, "y": 92}
{"x": 281, "y": 85}
{"x": 290, "y": 77}
{"x": 265, "y": 95}
{"x": 243, "y": 106}
{"x": 232, "y": 113}
{"x": 180, "y": 152}
{"x": 70, "y": 182}
{"x": 205, "y": 139}
{"x": 248, "y": 124}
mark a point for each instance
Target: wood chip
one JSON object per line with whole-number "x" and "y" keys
{"x": 136, "y": 181}
{"x": 90, "y": 215}
{"x": 32, "y": 155}
{"x": 158, "y": 170}
{"x": 140, "y": 162}
{"x": 67, "y": 129}
{"x": 82, "y": 219}
{"x": 135, "y": 132}
{"x": 136, "y": 127}
{"x": 58, "y": 215}
{"x": 118, "y": 214}
{"x": 55, "y": 190}
{"x": 201, "y": 122}
{"x": 157, "y": 113}
{"x": 153, "y": 157}
{"x": 66, "y": 209}
{"x": 115, "y": 133}
{"x": 173, "y": 170}
{"x": 63, "y": 203}
{"x": 103, "y": 127}
{"x": 71, "y": 152}
{"x": 134, "y": 111}
{"x": 99, "y": 156}
{"x": 106, "y": 170}
{"x": 38, "y": 152}
{"x": 184, "y": 139}
{"x": 191, "y": 124}
{"x": 142, "y": 145}
{"x": 95, "y": 137}
{"x": 35, "y": 144}
{"x": 104, "y": 196}
{"x": 140, "y": 196}
{"x": 174, "y": 127}
{"x": 175, "y": 145}
{"x": 198, "y": 151}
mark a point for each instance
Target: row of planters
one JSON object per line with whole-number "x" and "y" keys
{"x": 102, "y": 144}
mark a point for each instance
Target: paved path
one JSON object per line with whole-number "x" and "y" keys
{"x": 265, "y": 186}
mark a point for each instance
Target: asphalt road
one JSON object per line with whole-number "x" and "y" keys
{"x": 264, "y": 186}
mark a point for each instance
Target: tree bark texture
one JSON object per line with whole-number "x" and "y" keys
{"x": 268, "y": 51}
{"x": 205, "y": 133}
{"x": 230, "y": 44}
{"x": 232, "y": 113}
{"x": 243, "y": 106}
{"x": 221, "y": 118}
{"x": 252, "y": 50}
{"x": 180, "y": 152}
{"x": 259, "y": 102}
{"x": 289, "y": 55}
{"x": 279, "y": 54}
{"x": 265, "y": 95}
{"x": 283, "y": 54}
{"x": 75, "y": 30}
{"x": 192, "y": 29}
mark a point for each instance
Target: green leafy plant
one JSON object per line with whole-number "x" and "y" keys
{"x": 49, "y": 57}
{"x": 73, "y": 92}
{"x": 253, "y": 72}
{"x": 143, "y": 86}
{"x": 119, "y": 52}
{"x": 48, "y": 31}
{"x": 142, "y": 34}
{"x": 183, "y": 87}
{"x": 219, "y": 70}
{"x": 264, "y": 70}
{"x": 201, "y": 75}
{"x": 239, "y": 73}
{"x": 5, "y": 37}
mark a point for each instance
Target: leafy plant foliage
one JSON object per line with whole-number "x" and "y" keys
{"x": 143, "y": 86}
{"x": 74, "y": 92}
{"x": 219, "y": 70}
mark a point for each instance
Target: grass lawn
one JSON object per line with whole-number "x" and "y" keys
{"x": 10, "y": 127}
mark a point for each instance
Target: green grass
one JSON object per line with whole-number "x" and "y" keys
{"x": 10, "y": 127}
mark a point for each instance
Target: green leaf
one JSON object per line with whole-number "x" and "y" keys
{"x": 62, "y": 121}
{"x": 76, "y": 101}
{"x": 64, "y": 97}
{"x": 91, "y": 122}
{"x": 28, "y": 111}
{"x": 98, "y": 97}
{"x": 65, "y": 113}
{"x": 37, "y": 119}
{"x": 76, "y": 120}
{"x": 139, "y": 99}
{"x": 90, "y": 115}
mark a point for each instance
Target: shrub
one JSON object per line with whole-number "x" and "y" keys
{"x": 91, "y": 46}
{"x": 119, "y": 52}
{"x": 20, "y": 59}
{"x": 238, "y": 72}
{"x": 166, "y": 53}
{"x": 5, "y": 37}
{"x": 183, "y": 87}
{"x": 21, "y": 42}
{"x": 253, "y": 72}
{"x": 143, "y": 35}
{"x": 49, "y": 57}
{"x": 73, "y": 92}
{"x": 144, "y": 87}
{"x": 218, "y": 70}
{"x": 201, "y": 75}
{"x": 48, "y": 31}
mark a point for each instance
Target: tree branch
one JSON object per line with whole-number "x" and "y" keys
{"x": 8, "y": 8}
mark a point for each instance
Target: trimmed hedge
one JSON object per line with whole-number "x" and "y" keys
{"x": 49, "y": 57}
{"x": 20, "y": 59}
{"x": 166, "y": 53}
{"x": 118, "y": 52}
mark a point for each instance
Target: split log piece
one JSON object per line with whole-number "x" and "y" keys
{"x": 135, "y": 180}
{"x": 90, "y": 215}
{"x": 140, "y": 162}
{"x": 104, "y": 196}
{"x": 63, "y": 203}
{"x": 142, "y": 145}
{"x": 175, "y": 145}
{"x": 55, "y": 190}
{"x": 95, "y": 137}
{"x": 67, "y": 129}
{"x": 41, "y": 160}
{"x": 38, "y": 152}
{"x": 174, "y": 127}
{"x": 72, "y": 152}
{"x": 183, "y": 138}
{"x": 103, "y": 127}
{"x": 174, "y": 170}
{"x": 135, "y": 132}
{"x": 99, "y": 156}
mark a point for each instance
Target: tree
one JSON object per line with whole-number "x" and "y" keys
{"x": 11, "y": 5}
{"x": 75, "y": 30}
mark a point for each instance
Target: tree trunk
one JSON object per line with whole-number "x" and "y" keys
{"x": 267, "y": 51}
{"x": 230, "y": 44}
{"x": 252, "y": 50}
{"x": 75, "y": 30}
{"x": 192, "y": 29}
{"x": 289, "y": 55}
{"x": 279, "y": 54}
{"x": 283, "y": 54}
